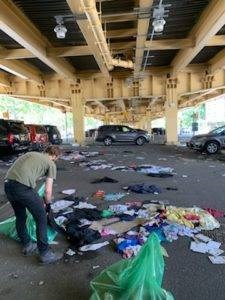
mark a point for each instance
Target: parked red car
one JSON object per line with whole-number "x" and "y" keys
{"x": 38, "y": 136}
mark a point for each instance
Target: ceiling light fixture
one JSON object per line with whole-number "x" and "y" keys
{"x": 158, "y": 14}
{"x": 60, "y": 28}
{"x": 158, "y": 24}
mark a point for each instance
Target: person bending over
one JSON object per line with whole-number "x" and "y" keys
{"x": 20, "y": 183}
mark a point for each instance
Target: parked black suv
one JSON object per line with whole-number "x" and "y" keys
{"x": 54, "y": 135}
{"x": 14, "y": 136}
{"x": 119, "y": 133}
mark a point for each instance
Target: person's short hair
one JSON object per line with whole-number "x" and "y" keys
{"x": 53, "y": 150}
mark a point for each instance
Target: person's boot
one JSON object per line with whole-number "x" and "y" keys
{"x": 49, "y": 257}
{"x": 29, "y": 249}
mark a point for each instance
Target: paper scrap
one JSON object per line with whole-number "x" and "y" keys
{"x": 215, "y": 252}
{"x": 202, "y": 237}
{"x": 69, "y": 191}
{"x": 217, "y": 260}
{"x": 198, "y": 247}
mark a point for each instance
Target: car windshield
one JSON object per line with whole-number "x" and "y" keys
{"x": 17, "y": 127}
{"x": 217, "y": 130}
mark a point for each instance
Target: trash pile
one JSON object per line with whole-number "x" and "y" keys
{"x": 131, "y": 223}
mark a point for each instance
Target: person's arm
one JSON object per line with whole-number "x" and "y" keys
{"x": 48, "y": 190}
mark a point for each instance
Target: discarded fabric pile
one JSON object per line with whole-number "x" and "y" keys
{"x": 132, "y": 223}
{"x": 78, "y": 156}
{"x": 150, "y": 170}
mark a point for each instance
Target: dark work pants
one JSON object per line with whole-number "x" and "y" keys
{"x": 22, "y": 197}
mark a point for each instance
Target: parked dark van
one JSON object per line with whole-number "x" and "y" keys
{"x": 54, "y": 135}
{"x": 14, "y": 136}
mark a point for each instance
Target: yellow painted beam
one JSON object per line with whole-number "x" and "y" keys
{"x": 142, "y": 31}
{"x": 21, "y": 69}
{"x": 14, "y": 23}
{"x": 4, "y": 80}
{"x": 210, "y": 22}
{"x": 87, "y": 31}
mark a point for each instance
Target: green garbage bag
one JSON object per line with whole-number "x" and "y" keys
{"x": 139, "y": 278}
{"x": 8, "y": 227}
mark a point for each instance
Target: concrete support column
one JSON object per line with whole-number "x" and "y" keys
{"x": 171, "y": 111}
{"x": 148, "y": 122}
{"x": 106, "y": 120}
{"x": 78, "y": 115}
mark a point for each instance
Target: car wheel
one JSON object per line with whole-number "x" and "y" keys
{"x": 140, "y": 141}
{"x": 108, "y": 141}
{"x": 212, "y": 147}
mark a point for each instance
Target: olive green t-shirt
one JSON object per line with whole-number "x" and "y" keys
{"x": 28, "y": 168}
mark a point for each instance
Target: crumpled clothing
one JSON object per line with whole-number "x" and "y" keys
{"x": 206, "y": 221}
{"x": 91, "y": 214}
{"x": 90, "y": 154}
{"x": 118, "y": 208}
{"x": 104, "y": 179}
{"x": 157, "y": 170}
{"x": 215, "y": 212}
{"x": 160, "y": 175}
{"x": 93, "y": 247}
{"x": 114, "y": 196}
{"x": 172, "y": 231}
{"x": 60, "y": 204}
{"x": 107, "y": 231}
{"x": 144, "y": 189}
{"x": 122, "y": 168}
{"x": 79, "y": 236}
{"x": 82, "y": 205}
{"x": 131, "y": 251}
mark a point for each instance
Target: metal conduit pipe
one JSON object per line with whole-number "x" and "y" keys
{"x": 89, "y": 8}
{"x": 123, "y": 63}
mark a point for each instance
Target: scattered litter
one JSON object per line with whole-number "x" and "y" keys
{"x": 144, "y": 188}
{"x": 104, "y": 179}
{"x": 114, "y": 196}
{"x": 70, "y": 252}
{"x": 217, "y": 260}
{"x": 215, "y": 212}
{"x": 95, "y": 267}
{"x": 60, "y": 204}
{"x": 99, "y": 194}
{"x": 93, "y": 247}
{"x": 202, "y": 237}
{"x": 69, "y": 191}
{"x": 41, "y": 283}
{"x": 138, "y": 278}
{"x": 84, "y": 205}
{"x": 169, "y": 188}
{"x": 184, "y": 176}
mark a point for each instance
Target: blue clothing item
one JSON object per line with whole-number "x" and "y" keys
{"x": 144, "y": 188}
{"x": 127, "y": 243}
{"x": 114, "y": 196}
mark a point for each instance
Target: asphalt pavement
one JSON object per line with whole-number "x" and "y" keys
{"x": 200, "y": 180}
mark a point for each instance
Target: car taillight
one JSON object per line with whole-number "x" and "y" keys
{"x": 10, "y": 138}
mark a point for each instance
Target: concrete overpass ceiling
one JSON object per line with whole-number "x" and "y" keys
{"x": 121, "y": 25}
{"x": 40, "y": 65}
{"x": 42, "y": 13}
{"x": 180, "y": 19}
{"x": 206, "y": 54}
{"x": 8, "y": 42}
{"x": 109, "y": 7}
{"x": 221, "y": 31}
{"x": 83, "y": 62}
